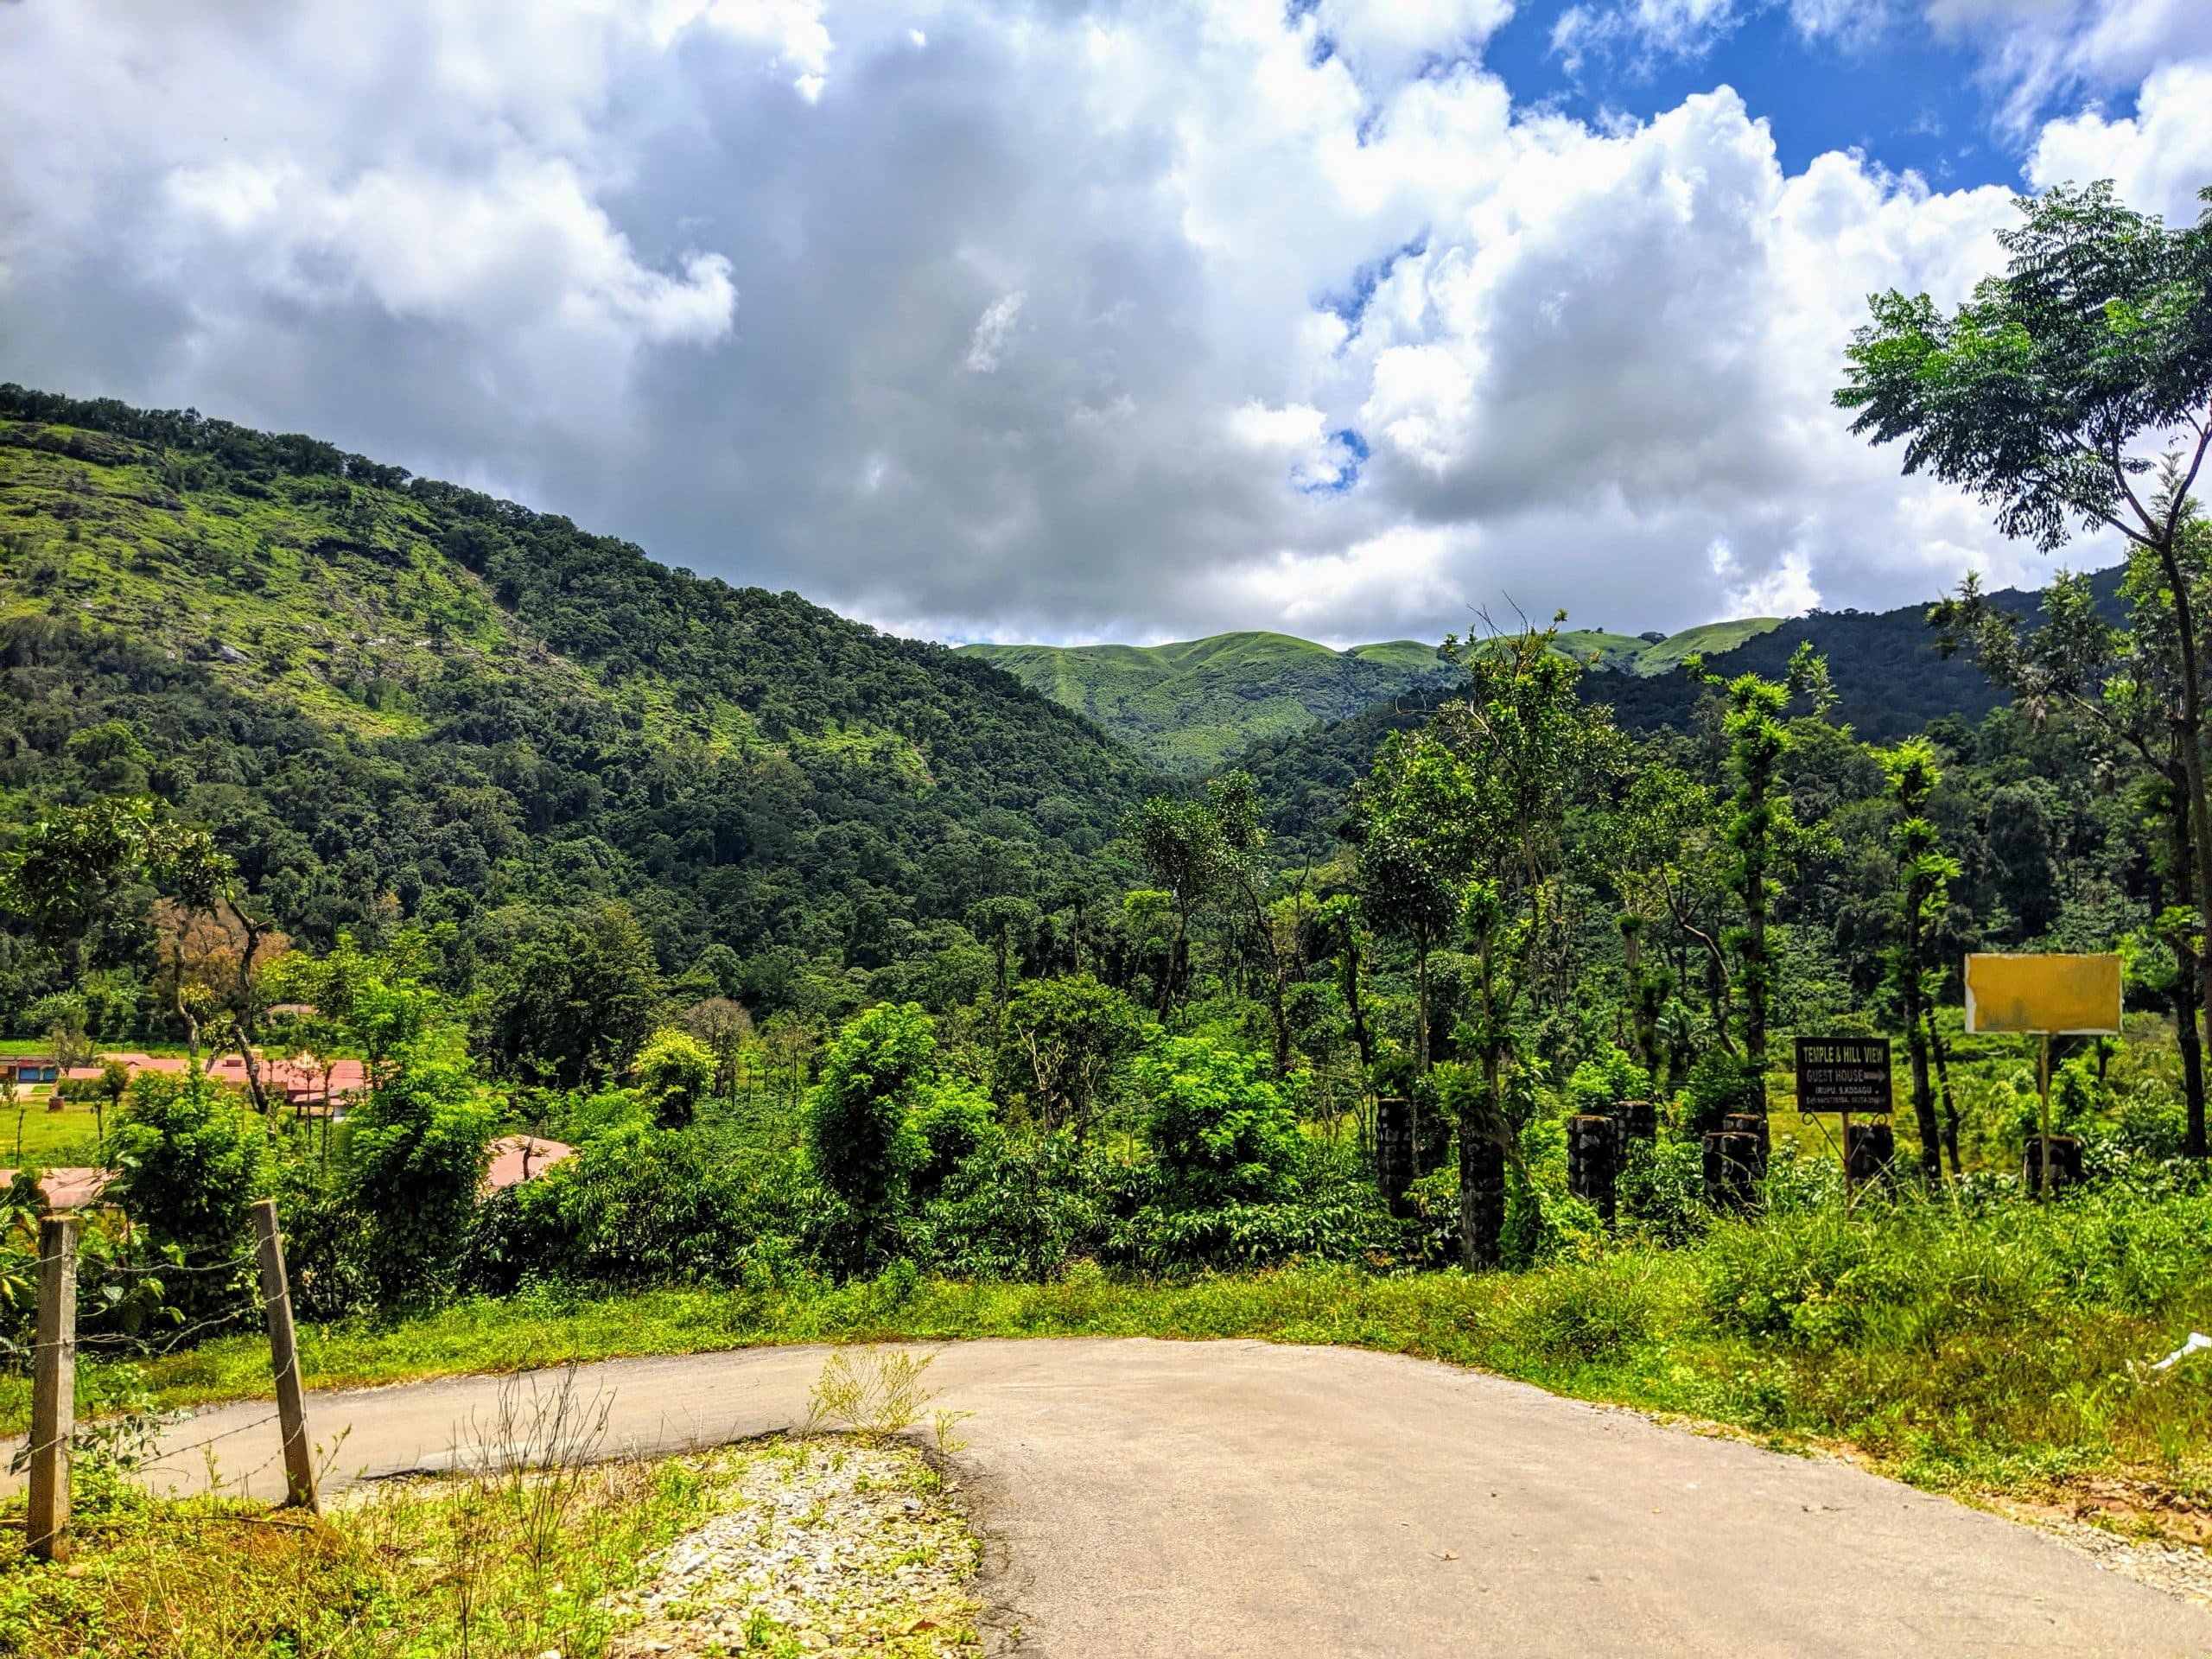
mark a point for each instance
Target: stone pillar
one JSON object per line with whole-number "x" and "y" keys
{"x": 1394, "y": 1151}
{"x": 1593, "y": 1147}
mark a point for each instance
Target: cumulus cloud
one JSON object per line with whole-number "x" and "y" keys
{"x": 978, "y": 318}
{"x": 991, "y": 331}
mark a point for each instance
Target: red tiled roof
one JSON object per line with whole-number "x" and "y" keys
{"x": 508, "y": 1157}
{"x": 70, "y": 1188}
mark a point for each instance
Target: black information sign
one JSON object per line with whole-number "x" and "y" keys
{"x": 1843, "y": 1074}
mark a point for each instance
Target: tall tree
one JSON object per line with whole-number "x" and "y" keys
{"x": 1244, "y": 877}
{"x": 1412, "y": 818}
{"x": 2040, "y": 393}
{"x": 1524, "y": 739}
{"x": 2123, "y": 687}
{"x": 1180, "y": 843}
{"x": 1763, "y": 836}
{"x": 1924, "y": 874}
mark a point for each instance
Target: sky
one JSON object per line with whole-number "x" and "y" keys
{"x": 1073, "y": 321}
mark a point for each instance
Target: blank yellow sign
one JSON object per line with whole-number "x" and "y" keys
{"x": 2062, "y": 995}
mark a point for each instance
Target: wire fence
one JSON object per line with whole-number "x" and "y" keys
{"x": 135, "y": 1317}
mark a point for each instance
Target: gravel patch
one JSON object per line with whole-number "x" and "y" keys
{"x": 822, "y": 1546}
{"x": 2179, "y": 1569}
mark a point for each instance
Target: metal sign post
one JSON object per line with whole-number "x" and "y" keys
{"x": 2043, "y": 996}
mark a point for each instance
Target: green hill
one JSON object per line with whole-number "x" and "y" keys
{"x": 1193, "y": 706}
{"x": 391, "y": 697}
{"x": 1189, "y": 706}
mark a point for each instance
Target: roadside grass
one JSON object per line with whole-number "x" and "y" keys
{"x": 2000, "y": 1349}
{"x": 428, "y": 1567}
{"x": 498, "y": 1561}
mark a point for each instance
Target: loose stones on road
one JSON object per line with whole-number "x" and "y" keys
{"x": 825, "y": 1546}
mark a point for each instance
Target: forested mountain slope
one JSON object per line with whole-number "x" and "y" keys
{"x": 1890, "y": 679}
{"x": 1189, "y": 706}
{"x": 388, "y": 695}
{"x": 1194, "y": 706}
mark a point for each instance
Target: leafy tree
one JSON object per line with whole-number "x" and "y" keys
{"x": 1925, "y": 872}
{"x": 725, "y": 1027}
{"x": 1340, "y": 935}
{"x": 1221, "y": 1134}
{"x": 1524, "y": 740}
{"x": 572, "y": 1002}
{"x": 860, "y": 1133}
{"x": 2124, "y": 684}
{"x": 68, "y": 874}
{"x": 1180, "y": 843}
{"x": 1059, "y": 1042}
{"x": 1764, "y": 834}
{"x": 416, "y": 1156}
{"x": 1244, "y": 874}
{"x": 676, "y": 1072}
{"x": 190, "y": 1163}
{"x": 2038, "y": 393}
{"x": 1007, "y": 925}
{"x": 1411, "y": 821}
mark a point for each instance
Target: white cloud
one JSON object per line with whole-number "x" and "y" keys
{"x": 992, "y": 329}
{"x": 1077, "y": 323}
{"x": 2159, "y": 158}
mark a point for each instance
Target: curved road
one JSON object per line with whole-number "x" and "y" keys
{"x": 1142, "y": 1498}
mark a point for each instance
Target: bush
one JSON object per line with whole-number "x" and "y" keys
{"x": 1221, "y": 1134}
{"x": 953, "y": 1117}
{"x": 676, "y": 1072}
{"x": 1662, "y": 1191}
{"x": 641, "y": 1206}
{"x": 1015, "y": 1209}
{"x": 1718, "y": 1084}
{"x": 416, "y": 1153}
{"x": 861, "y": 1135}
{"x": 192, "y": 1158}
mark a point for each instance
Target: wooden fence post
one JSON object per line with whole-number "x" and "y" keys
{"x": 54, "y": 1388}
{"x": 284, "y": 1359}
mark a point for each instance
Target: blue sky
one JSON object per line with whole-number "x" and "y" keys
{"x": 1897, "y": 93}
{"x": 1099, "y": 320}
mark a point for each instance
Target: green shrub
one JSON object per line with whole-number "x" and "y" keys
{"x": 642, "y": 1206}
{"x": 192, "y": 1157}
{"x": 1220, "y": 1133}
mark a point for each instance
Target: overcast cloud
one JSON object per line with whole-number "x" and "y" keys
{"x": 1053, "y": 322}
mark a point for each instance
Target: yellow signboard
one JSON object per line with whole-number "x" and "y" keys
{"x": 2058, "y": 996}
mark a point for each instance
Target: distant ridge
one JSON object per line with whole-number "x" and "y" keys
{"x": 1193, "y": 705}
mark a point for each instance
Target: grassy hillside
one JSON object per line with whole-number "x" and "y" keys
{"x": 1195, "y": 706}
{"x": 1189, "y": 706}
{"x": 392, "y": 696}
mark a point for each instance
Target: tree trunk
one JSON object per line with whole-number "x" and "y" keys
{"x": 1356, "y": 1001}
{"x": 1916, "y": 1038}
{"x": 2189, "y": 987}
{"x": 1943, "y": 1088}
{"x": 1756, "y": 989}
{"x": 2189, "y": 738}
{"x": 1421, "y": 1032}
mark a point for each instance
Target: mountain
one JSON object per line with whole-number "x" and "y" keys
{"x": 1192, "y": 707}
{"x": 389, "y": 696}
{"x": 1889, "y": 678}
{"x": 1189, "y": 706}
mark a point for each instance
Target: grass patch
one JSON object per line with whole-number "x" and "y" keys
{"x": 576, "y": 1558}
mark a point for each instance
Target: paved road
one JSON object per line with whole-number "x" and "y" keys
{"x": 1210, "y": 1498}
